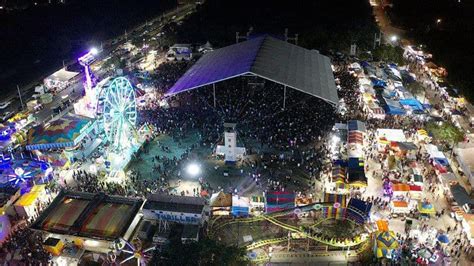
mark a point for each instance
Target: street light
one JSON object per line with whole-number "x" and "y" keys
{"x": 94, "y": 51}
{"x": 438, "y": 21}
{"x": 394, "y": 38}
{"x": 193, "y": 169}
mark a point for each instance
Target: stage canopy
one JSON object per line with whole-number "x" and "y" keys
{"x": 266, "y": 57}
{"x": 66, "y": 131}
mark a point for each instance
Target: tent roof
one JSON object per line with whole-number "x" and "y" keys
{"x": 460, "y": 195}
{"x": 63, "y": 130}
{"x": 356, "y": 125}
{"x": 63, "y": 75}
{"x": 266, "y": 57}
{"x": 392, "y": 134}
{"x": 220, "y": 199}
{"x": 466, "y": 156}
{"x": 407, "y": 146}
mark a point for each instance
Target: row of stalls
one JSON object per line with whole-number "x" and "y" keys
{"x": 347, "y": 148}
{"x": 21, "y": 202}
{"x": 406, "y": 192}
{"x": 334, "y": 205}
{"x": 383, "y": 92}
{"x": 404, "y": 183}
{"x": 227, "y": 204}
{"x": 451, "y": 105}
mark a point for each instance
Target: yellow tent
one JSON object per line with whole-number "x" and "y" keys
{"x": 29, "y": 198}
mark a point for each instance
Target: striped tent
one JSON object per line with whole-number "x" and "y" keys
{"x": 385, "y": 243}
{"x": 338, "y": 174}
{"x": 332, "y": 212}
{"x": 422, "y": 132}
{"x": 279, "y": 200}
{"x": 333, "y": 198}
{"x": 63, "y": 132}
{"x": 355, "y": 137}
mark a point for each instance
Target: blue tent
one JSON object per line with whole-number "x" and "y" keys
{"x": 393, "y": 107}
{"x": 356, "y": 125}
{"x": 443, "y": 239}
{"x": 378, "y": 82}
{"x": 355, "y": 163}
{"x": 392, "y": 110}
{"x": 413, "y": 103}
{"x": 388, "y": 94}
{"x": 442, "y": 161}
{"x": 407, "y": 77}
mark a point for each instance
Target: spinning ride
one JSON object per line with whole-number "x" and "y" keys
{"x": 118, "y": 113}
{"x": 17, "y": 171}
{"x": 136, "y": 251}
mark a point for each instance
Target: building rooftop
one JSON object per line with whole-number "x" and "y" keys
{"x": 175, "y": 203}
{"x": 88, "y": 215}
{"x": 268, "y": 58}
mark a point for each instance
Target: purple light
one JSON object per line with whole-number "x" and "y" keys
{"x": 4, "y": 228}
{"x": 86, "y": 59}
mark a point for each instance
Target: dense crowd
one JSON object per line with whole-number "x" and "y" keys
{"x": 348, "y": 91}
{"x": 167, "y": 74}
{"x": 283, "y": 132}
{"x": 32, "y": 252}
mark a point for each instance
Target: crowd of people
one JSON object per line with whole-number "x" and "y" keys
{"x": 278, "y": 131}
{"x": 28, "y": 243}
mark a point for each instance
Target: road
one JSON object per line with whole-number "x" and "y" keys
{"x": 383, "y": 22}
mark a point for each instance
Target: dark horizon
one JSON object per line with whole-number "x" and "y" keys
{"x": 40, "y": 37}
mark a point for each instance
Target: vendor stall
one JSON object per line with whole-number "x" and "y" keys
{"x": 399, "y": 207}
{"x": 220, "y": 203}
{"x": 426, "y": 208}
{"x": 60, "y": 79}
{"x": 26, "y": 205}
{"x": 465, "y": 158}
{"x": 400, "y": 189}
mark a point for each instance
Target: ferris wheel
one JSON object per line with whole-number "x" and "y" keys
{"x": 117, "y": 112}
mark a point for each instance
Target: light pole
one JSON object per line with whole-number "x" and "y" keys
{"x": 19, "y": 94}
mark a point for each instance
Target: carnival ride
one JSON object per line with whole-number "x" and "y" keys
{"x": 87, "y": 104}
{"x": 117, "y": 113}
{"x": 138, "y": 252}
{"x": 307, "y": 231}
{"x": 18, "y": 170}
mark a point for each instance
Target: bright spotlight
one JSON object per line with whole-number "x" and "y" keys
{"x": 394, "y": 38}
{"x": 94, "y": 51}
{"x": 193, "y": 169}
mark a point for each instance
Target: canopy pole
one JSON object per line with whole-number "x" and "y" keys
{"x": 214, "y": 93}
{"x": 284, "y": 97}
